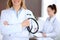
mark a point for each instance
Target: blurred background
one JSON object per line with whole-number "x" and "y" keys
{"x": 38, "y": 7}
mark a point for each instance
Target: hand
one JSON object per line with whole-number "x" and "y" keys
{"x": 5, "y": 23}
{"x": 44, "y": 34}
{"x": 25, "y": 23}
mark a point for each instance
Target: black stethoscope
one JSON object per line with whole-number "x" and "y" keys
{"x": 31, "y": 27}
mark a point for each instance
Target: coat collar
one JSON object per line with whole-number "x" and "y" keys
{"x": 52, "y": 19}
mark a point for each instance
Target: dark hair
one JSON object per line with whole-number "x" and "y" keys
{"x": 53, "y": 7}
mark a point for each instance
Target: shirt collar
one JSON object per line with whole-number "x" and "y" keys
{"x": 15, "y": 10}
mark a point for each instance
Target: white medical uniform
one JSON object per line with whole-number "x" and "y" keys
{"x": 50, "y": 28}
{"x": 14, "y": 31}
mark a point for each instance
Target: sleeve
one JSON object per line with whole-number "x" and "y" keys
{"x": 10, "y": 26}
{"x": 3, "y": 16}
{"x": 53, "y": 34}
{"x": 1, "y": 21}
{"x": 0, "y": 26}
{"x": 39, "y": 35}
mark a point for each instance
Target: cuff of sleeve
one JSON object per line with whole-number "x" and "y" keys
{"x": 38, "y": 35}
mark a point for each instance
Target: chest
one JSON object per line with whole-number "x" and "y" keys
{"x": 48, "y": 27}
{"x": 16, "y": 17}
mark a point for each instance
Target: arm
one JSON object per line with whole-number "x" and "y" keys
{"x": 53, "y": 34}
{"x": 5, "y": 19}
{"x": 4, "y": 22}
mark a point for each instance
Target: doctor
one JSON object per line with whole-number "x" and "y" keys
{"x": 14, "y": 21}
{"x": 49, "y": 27}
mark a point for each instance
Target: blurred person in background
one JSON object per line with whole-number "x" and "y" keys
{"x": 49, "y": 28}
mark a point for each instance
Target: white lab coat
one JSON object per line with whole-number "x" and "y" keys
{"x": 50, "y": 28}
{"x": 14, "y": 31}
